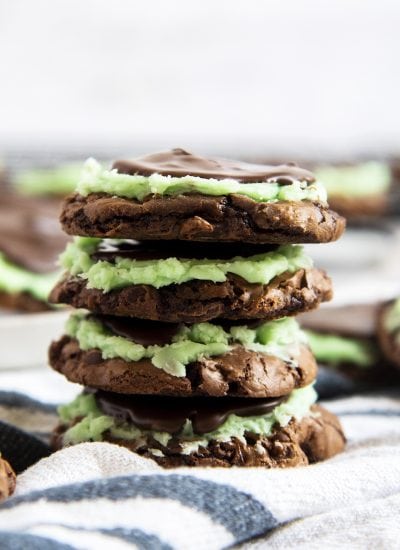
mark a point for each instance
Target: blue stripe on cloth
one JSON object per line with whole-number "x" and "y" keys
{"x": 238, "y": 512}
{"x": 20, "y": 448}
{"x": 24, "y": 541}
{"x": 331, "y": 383}
{"x": 142, "y": 540}
{"x": 21, "y": 401}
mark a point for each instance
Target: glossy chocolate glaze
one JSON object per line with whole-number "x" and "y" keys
{"x": 140, "y": 331}
{"x": 30, "y": 233}
{"x": 169, "y": 414}
{"x": 179, "y": 163}
{"x": 159, "y": 250}
{"x": 157, "y": 333}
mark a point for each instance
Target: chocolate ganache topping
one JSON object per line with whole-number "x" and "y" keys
{"x": 169, "y": 414}
{"x": 159, "y": 250}
{"x": 180, "y": 163}
{"x": 140, "y": 331}
{"x": 156, "y": 333}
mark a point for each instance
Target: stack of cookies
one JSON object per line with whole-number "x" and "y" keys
{"x": 187, "y": 278}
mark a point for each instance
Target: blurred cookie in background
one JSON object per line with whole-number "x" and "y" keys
{"x": 30, "y": 242}
{"x": 347, "y": 349}
{"x": 3, "y": 173}
{"x": 388, "y": 329}
{"x": 357, "y": 190}
{"x": 395, "y": 169}
{"x": 30, "y": 234}
{"x": 56, "y": 181}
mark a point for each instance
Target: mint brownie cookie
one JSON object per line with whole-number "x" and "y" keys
{"x": 177, "y": 195}
{"x": 274, "y": 433}
{"x": 177, "y": 281}
{"x": 264, "y": 359}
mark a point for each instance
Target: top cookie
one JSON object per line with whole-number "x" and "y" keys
{"x": 177, "y": 195}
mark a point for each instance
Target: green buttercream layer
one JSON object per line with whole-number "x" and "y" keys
{"x": 96, "y": 179}
{"x": 106, "y": 276}
{"x": 52, "y": 181}
{"x": 280, "y": 338}
{"x": 360, "y": 180}
{"x": 334, "y": 350}
{"x": 14, "y": 279}
{"x": 94, "y": 423}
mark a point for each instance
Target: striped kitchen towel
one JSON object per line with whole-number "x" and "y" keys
{"x": 98, "y": 495}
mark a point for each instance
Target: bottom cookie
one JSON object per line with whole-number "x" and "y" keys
{"x": 292, "y": 431}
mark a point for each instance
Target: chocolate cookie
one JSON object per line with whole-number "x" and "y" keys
{"x": 239, "y": 372}
{"x": 177, "y": 195}
{"x": 200, "y": 218}
{"x": 313, "y": 438}
{"x": 356, "y": 208}
{"x": 194, "y": 301}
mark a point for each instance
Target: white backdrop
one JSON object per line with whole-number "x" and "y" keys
{"x": 229, "y": 75}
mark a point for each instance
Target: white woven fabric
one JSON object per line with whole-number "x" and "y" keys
{"x": 97, "y": 495}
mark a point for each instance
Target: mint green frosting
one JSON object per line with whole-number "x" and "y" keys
{"x": 94, "y": 423}
{"x": 333, "y": 349}
{"x": 392, "y": 317}
{"x": 261, "y": 268}
{"x": 14, "y": 279}
{"x": 50, "y": 181}
{"x": 192, "y": 342}
{"x": 369, "y": 178}
{"x": 96, "y": 179}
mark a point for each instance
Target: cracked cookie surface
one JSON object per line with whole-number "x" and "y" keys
{"x": 287, "y": 294}
{"x": 240, "y": 372}
{"x": 200, "y": 218}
